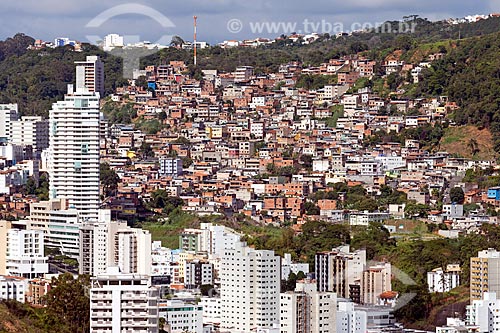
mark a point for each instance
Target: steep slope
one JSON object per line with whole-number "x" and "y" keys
{"x": 470, "y": 76}
{"x": 37, "y": 78}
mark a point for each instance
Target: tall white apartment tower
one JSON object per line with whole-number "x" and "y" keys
{"x": 112, "y": 243}
{"x": 30, "y": 131}
{"x": 250, "y": 289}
{"x": 483, "y": 313}
{"x": 74, "y": 149}
{"x": 22, "y": 252}
{"x": 121, "y": 302}
{"x": 8, "y": 114}
{"x": 306, "y": 310}
{"x": 90, "y": 75}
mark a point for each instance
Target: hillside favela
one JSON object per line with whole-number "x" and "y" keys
{"x": 250, "y": 167}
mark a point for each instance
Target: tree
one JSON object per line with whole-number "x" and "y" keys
{"x": 319, "y": 236}
{"x": 311, "y": 208}
{"x": 146, "y": 150}
{"x": 68, "y": 301}
{"x": 161, "y": 199}
{"x": 42, "y": 191}
{"x": 109, "y": 179}
{"x": 186, "y": 162}
{"x": 301, "y": 276}
{"x": 290, "y": 283}
{"x": 470, "y": 207}
{"x": 182, "y": 140}
{"x": 161, "y": 325}
{"x": 418, "y": 307}
{"x": 457, "y": 195}
{"x": 142, "y": 82}
{"x": 207, "y": 290}
{"x": 162, "y": 115}
{"x": 150, "y": 126}
{"x": 417, "y": 210}
{"x": 307, "y": 161}
{"x": 373, "y": 239}
{"x": 31, "y": 186}
{"x": 118, "y": 113}
{"x": 177, "y": 41}
{"x": 473, "y": 146}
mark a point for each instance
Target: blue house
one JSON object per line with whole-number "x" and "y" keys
{"x": 152, "y": 85}
{"x": 494, "y": 193}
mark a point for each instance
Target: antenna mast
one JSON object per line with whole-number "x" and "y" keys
{"x": 194, "y": 42}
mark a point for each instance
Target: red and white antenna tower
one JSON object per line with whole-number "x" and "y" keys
{"x": 194, "y": 42}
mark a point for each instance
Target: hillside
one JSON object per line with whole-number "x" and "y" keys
{"x": 469, "y": 142}
{"x": 19, "y": 318}
{"x": 470, "y": 75}
{"x": 374, "y": 43}
{"x": 9, "y": 323}
{"x": 36, "y": 78}
{"x": 58, "y": 316}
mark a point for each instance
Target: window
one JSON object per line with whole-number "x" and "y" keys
{"x": 81, "y": 103}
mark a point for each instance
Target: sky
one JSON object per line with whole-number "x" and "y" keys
{"x": 218, "y": 20}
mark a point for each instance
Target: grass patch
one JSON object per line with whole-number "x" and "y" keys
{"x": 167, "y": 230}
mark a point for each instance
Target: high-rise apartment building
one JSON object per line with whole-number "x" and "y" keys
{"x": 26, "y": 254}
{"x": 74, "y": 127}
{"x": 14, "y": 288}
{"x": 111, "y": 41}
{"x": 212, "y": 239}
{"x": 37, "y": 291}
{"x": 122, "y": 302}
{"x": 181, "y": 317}
{"x": 306, "y": 310}
{"x": 349, "y": 319}
{"x": 484, "y": 274}
{"x": 74, "y": 146}
{"x": 483, "y": 314}
{"x": 95, "y": 246}
{"x": 112, "y": 243}
{"x": 250, "y": 287}
{"x": 90, "y": 75}
{"x": 338, "y": 270}
{"x": 198, "y": 273}
{"x": 375, "y": 280}
{"x": 442, "y": 280}
{"x": 59, "y": 224}
{"x": 22, "y": 252}
{"x": 5, "y": 226}
{"x": 132, "y": 251}
{"x": 31, "y": 131}
{"x": 8, "y": 114}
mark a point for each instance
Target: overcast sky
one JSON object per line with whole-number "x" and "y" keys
{"x": 47, "y": 19}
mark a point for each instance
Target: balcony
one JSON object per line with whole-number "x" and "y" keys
{"x": 134, "y": 314}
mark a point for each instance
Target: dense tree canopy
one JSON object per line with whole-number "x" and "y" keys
{"x": 457, "y": 195}
{"x": 68, "y": 301}
{"x": 109, "y": 179}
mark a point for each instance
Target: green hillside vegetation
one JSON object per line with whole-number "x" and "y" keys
{"x": 37, "y": 78}
{"x": 67, "y": 310}
{"x": 268, "y": 58}
{"x": 470, "y": 75}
